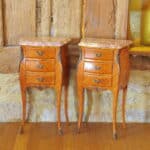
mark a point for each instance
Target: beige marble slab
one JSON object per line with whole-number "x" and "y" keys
{"x": 105, "y": 43}
{"x": 44, "y": 41}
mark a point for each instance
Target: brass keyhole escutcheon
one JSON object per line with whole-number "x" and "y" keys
{"x": 40, "y": 79}
{"x": 97, "y": 81}
{"x": 98, "y": 55}
{"x": 40, "y": 66}
{"x": 40, "y": 53}
{"x": 97, "y": 68}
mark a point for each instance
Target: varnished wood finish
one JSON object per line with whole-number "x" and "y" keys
{"x": 96, "y": 136}
{"x": 103, "y": 67}
{"x": 98, "y": 54}
{"x": 96, "y": 80}
{"x": 111, "y": 73}
{"x": 39, "y": 52}
{"x": 39, "y": 78}
{"x": 123, "y": 106}
{"x": 45, "y": 66}
{"x": 40, "y": 65}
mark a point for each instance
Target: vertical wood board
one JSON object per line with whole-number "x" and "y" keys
{"x": 67, "y": 18}
{"x": 99, "y": 18}
{"x": 44, "y": 17}
{"x": 19, "y": 20}
{"x": 1, "y": 24}
{"x": 122, "y": 19}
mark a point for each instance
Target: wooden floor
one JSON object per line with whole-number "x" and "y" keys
{"x": 43, "y": 136}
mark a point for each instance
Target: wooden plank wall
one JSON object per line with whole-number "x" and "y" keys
{"x": 66, "y": 18}
{"x": 43, "y": 17}
{"x": 121, "y": 19}
{"x": 100, "y": 19}
{"x": 1, "y": 24}
{"x": 19, "y": 20}
{"x": 33, "y": 18}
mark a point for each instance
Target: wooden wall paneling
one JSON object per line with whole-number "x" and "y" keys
{"x": 67, "y": 18}
{"x": 38, "y": 17}
{"x": 100, "y": 19}
{"x": 19, "y": 20}
{"x": 44, "y": 17}
{"x": 121, "y": 19}
{"x": 1, "y": 25}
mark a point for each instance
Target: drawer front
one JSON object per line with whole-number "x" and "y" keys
{"x": 39, "y": 52}
{"x": 98, "y": 54}
{"x": 40, "y": 65}
{"x": 103, "y": 68}
{"x": 102, "y": 81}
{"x": 39, "y": 78}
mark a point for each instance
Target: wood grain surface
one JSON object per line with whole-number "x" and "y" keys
{"x": 121, "y": 19}
{"x": 19, "y": 20}
{"x": 1, "y": 24}
{"x": 94, "y": 136}
{"x": 99, "y": 19}
{"x": 44, "y": 11}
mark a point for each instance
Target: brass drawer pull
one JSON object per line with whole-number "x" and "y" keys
{"x": 97, "y": 81}
{"x": 40, "y": 66}
{"x": 98, "y": 55}
{"x": 97, "y": 68}
{"x": 40, "y": 53}
{"x": 40, "y": 79}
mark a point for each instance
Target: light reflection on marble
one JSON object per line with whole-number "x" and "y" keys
{"x": 105, "y": 43}
{"x": 44, "y": 41}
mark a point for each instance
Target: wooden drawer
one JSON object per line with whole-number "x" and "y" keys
{"x": 40, "y": 65}
{"x": 93, "y": 80}
{"x": 98, "y": 54}
{"x": 40, "y": 78}
{"x": 103, "y": 68}
{"x": 39, "y": 52}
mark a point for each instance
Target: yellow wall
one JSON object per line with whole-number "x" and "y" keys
{"x": 135, "y": 5}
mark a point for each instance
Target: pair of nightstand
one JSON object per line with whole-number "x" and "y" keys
{"x": 103, "y": 64}
{"x": 44, "y": 64}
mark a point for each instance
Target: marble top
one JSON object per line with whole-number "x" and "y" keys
{"x": 44, "y": 41}
{"x": 105, "y": 43}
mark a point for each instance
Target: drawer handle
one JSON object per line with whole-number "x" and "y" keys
{"x": 40, "y": 66}
{"x": 40, "y": 79}
{"x": 97, "y": 81}
{"x": 97, "y": 68}
{"x": 40, "y": 53}
{"x": 98, "y": 55}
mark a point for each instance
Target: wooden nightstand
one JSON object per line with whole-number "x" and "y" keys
{"x": 103, "y": 64}
{"x": 44, "y": 64}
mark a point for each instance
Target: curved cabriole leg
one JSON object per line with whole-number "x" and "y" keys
{"x": 23, "y": 93}
{"x": 115, "y": 103}
{"x": 80, "y": 106}
{"x": 66, "y": 73}
{"x": 66, "y": 103}
{"x": 123, "y": 106}
{"x": 58, "y": 94}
